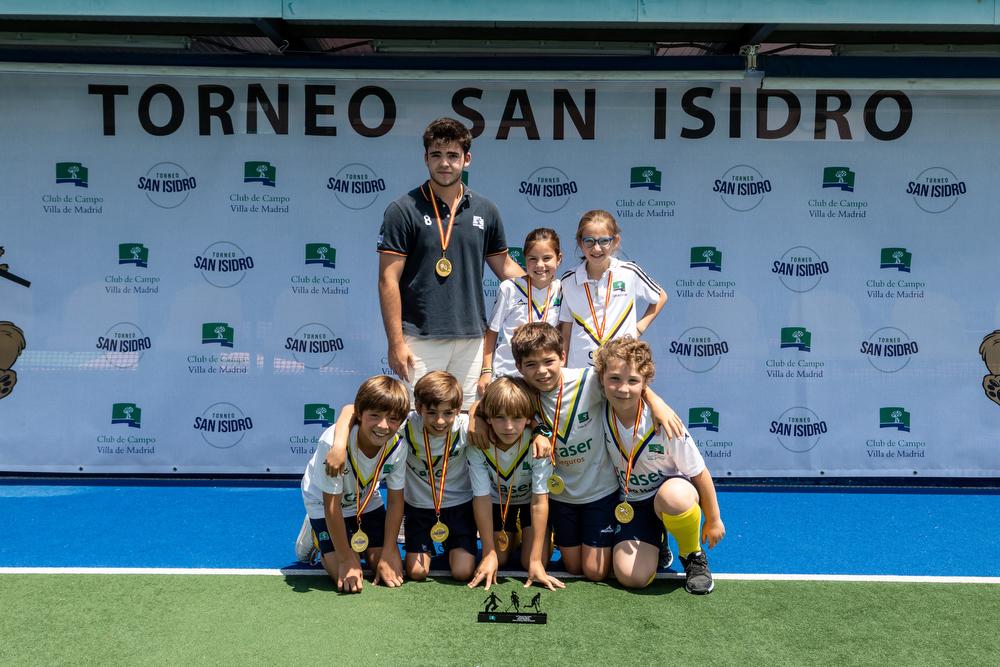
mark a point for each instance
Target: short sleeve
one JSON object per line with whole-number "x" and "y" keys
{"x": 565, "y": 312}
{"x": 541, "y": 470}
{"x": 395, "y": 235}
{"x": 500, "y": 306}
{"x": 646, "y": 288}
{"x": 478, "y": 472}
{"x": 334, "y": 485}
{"x": 496, "y": 238}
{"x": 686, "y": 456}
{"x": 395, "y": 479}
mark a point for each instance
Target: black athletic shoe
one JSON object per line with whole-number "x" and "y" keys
{"x": 666, "y": 556}
{"x": 699, "y": 577}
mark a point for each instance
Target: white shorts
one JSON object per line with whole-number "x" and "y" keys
{"x": 462, "y": 357}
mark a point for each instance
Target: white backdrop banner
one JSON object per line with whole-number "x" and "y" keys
{"x": 190, "y": 258}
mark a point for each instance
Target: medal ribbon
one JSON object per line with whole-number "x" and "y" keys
{"x": 445, "y": 238}
{"x": 593, "y": 313}
{"x": 437, "y": 497}
{"x": 555, "y": 421}
{"x": 531, "y": 303}
{"x": 504, "y": 506}
{"x": 383, "y": 455}
{"x": 636, "y": 442}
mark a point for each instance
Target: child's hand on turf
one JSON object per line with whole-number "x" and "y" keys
{"x": 486, "y": 572}
{"x": 350, "y": 579}
{"x": 390, "y": 569}
{"x": 713, "y": 532}
{"x": 536, "y": 572}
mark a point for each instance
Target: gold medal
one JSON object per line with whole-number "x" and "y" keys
{"x": 502, "y": 540}
{"x": 556, "y": 484}
{"x": 439, "y": 532}
{"x": 359, "y": 541}
{"x": 624, "y": 512}
{"x": 443, "y": 267}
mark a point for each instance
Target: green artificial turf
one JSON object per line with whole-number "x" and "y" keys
{"x": 241, "y": 620}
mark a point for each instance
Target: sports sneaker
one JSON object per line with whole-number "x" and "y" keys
{"x": 305, "y": 545}
{"x": 699, "y": 578}
{"x": 666, "y": 556}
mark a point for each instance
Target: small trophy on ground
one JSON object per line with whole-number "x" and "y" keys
{"x": 512, "y": 613}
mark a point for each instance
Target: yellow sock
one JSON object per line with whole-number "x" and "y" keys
{"x": 685, "y": 528}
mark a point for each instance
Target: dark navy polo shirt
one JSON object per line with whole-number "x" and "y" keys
{"x": 435, "y": 307}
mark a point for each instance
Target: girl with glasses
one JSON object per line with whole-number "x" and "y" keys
{"x": 602, "y": 296}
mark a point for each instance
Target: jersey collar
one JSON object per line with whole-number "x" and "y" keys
{"x": 581, "y": 270}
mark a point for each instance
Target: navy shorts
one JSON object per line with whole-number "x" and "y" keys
{"x": 373, "y": 522}
{"x": 645, "y": 526}
{"x": 591, "y": 524}
{"x": 461, "y": 528}
{"x": 512, "y": 512}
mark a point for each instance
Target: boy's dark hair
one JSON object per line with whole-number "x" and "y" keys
{"x": 507, "y": 397}
{"x": 438, "y": 387}
{"x": 446, "y": 130}
{"x": 384, "y": 394}
{"x": 535, "y": 337}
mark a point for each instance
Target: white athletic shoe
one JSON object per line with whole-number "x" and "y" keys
{"x": 305, "y": 544}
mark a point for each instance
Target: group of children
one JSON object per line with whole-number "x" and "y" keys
{"x": 584, "y": 454}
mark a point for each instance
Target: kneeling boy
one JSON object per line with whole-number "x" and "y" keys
{"x": 583, "y": 487}
{"x": 664, "y": 481}
{"x": 346, "y": 511}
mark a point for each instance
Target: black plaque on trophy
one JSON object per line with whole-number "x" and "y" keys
{"x": 491, "y": 612}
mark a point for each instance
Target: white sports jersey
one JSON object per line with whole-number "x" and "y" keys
{"x": 511, "y": 311}
{"x": 629, "y": 285}
{"x": 315, "y": 481}
{"x": 520, "y": 474}
{"x": 657, "y": 459}
{"x": 581, "y": 460}
{"x": 457, "y": 488}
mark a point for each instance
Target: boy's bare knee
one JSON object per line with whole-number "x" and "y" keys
{"x": 595, "y": 573}
{"x": 634, "y": 580}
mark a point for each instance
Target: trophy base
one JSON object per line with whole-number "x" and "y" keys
{"x": 507, "y": 617}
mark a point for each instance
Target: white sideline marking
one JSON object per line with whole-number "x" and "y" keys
{"x": 274, "y": 572}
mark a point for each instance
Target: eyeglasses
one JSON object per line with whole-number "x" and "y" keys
{"x": 603, "y": 241}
